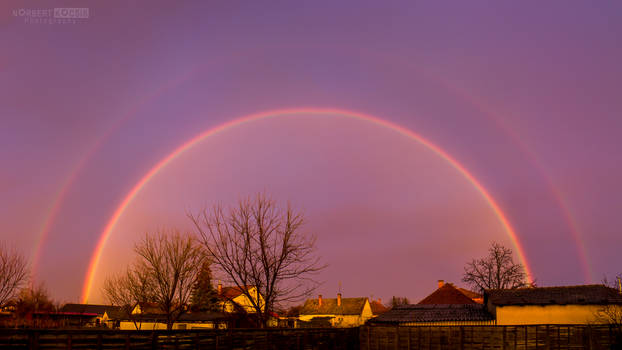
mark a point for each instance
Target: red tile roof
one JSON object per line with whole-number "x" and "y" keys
{"x": 233, "y": 292}
{"x": 447, "y": 294}
{"x": 377, "y": 308}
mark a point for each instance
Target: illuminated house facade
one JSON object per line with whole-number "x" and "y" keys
{"x": 551, "y": 305}
{"x": 337, "y": 312}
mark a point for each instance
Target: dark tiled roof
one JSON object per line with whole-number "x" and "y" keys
{"x": 587, "y": 294}
{"x": 88, "y": 309}
{"x": 377, "y": 308}
{"x": 349, "y": 306}
{"x": 150, "y": 308}
{"x": 116, "y": 314}
{"x": 435, "y": 313}
{"x": 447, "y": 294}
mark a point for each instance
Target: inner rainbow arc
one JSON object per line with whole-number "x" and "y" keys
{"x": 95, "y": 259}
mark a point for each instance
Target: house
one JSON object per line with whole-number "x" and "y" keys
{"x": 448, "y": 305}
{"x": 191, "y": 320}
{"x": 234, "y": 300}
{"x": 338, "y": 312}
{"x": 551, "y": 305}
{"x": 88, "y": 315}
{"x": 147, "y": 308}
{"x": 377, "y": 308}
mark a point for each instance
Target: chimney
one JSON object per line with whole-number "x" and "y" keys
{"x": 219, "y": 288}
{"x": 338, "y": 299}
{"x": 319, "y": 300}
{"x": 440, "y": 283}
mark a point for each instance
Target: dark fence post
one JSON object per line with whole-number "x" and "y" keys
{"x": 461, "y": 338}
{"x": 154, "y": 341}
{"x": 504, "y": 338}
{"x": 35, "y": 340}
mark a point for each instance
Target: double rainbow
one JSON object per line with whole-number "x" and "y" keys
{"x": 96, "y": 257}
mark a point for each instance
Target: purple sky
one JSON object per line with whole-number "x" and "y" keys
{"x": 525, "y": 95}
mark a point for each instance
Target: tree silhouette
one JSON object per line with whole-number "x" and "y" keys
{"x": 261, "y": 245}
{"x": 497, "y": 270}
{"x": 13, "y": 273}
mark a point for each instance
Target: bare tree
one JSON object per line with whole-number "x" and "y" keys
{"x": 495, "y": 271}
{"x": 173, "y": 262}
{"x": 13, "y": 273}
{"x": 128, "y": 290}
{"x": 397, "y": 301}
{"x": 164, "y": 273}
{"x": 611, "y": 312}
{"x": 261, "y": 245}
{"x": 33, "y": 306}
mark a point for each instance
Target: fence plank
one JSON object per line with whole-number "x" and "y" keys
{"x": 525, "y": 337}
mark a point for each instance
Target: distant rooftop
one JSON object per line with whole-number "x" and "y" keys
{"x": 349, "y": 306}
{"x": 88, "y": 309}
{"x": 448, "y": 294}
{"x": 435, "y": 313}
{"x": 595, "y": 294}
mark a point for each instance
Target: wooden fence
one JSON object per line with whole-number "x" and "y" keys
{"x": 260, "y": 339}
{"x": 545, "y": 337}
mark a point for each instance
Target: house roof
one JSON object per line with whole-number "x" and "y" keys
{"x": 377, "y": 308}
{"x": 349, "y": 306}
{"x": 595, "y": 294}
{"x": 90, "y": 309}
{"x": 435, "y": 313}
{"x": 447, "y": 294}
{"x": 233, "y": 292}
{"x": 471, "y": 294}
{"x": 150, "y": 308}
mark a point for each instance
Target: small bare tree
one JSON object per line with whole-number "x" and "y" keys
{"x": 495, "y": 271}
{"x": 164, "y": 273}
{"x": 611, "y": 312}
{"x": 397, "y": 301}
{"x": 128, "y": 290}
{"x": 33, "y": 306}
{"x": 258, "y": 244}
{"x": 13, "y": 273}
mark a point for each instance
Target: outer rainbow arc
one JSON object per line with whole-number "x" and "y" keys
{"x": 94, "y": 263}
